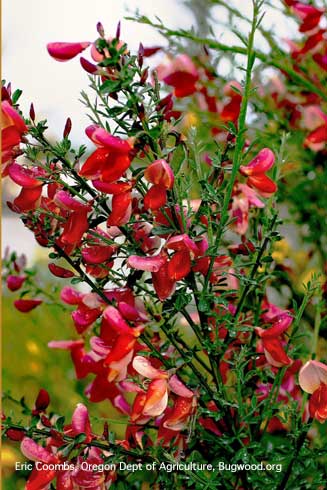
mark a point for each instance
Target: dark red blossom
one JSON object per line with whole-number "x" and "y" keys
{"x": 15, "y": 282}
{"x": 26, "y": 305}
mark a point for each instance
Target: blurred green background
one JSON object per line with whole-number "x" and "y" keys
{"x": 28, "y": 365}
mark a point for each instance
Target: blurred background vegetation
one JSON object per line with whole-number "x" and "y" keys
{"x": 28, "y": 365}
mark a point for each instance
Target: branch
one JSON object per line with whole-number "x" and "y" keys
{"x": 213, "y": 44}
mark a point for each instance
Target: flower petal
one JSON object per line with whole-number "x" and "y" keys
{"x": 66, "y": 51}
{"x": 35, "y": 452}
{"x": 144, "y": 367}
{"x": 155, "y": 198}
{"x": 260, "y": 164}
{"x": 150, "y": 264}
{"x": 160, "y": 173}
{"x": 176, "y": 385}
{"x": 311, "y": 375}
{"x": 81, "y": 421}
{"x": 26, "y": 305}
{"x": 156, "y": 398}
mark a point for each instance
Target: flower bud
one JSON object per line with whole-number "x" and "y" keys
{"x": 140, "y": 55}
{"x": 32, "y": 112}
{"x": 100, "y": 29}
{"x": 118, "y": 31}
{"x": 68, "y": 127}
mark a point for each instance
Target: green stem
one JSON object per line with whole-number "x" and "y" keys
{"x": 253, "y": 272}
{"x": 266, "y": 59}
{"x": 300, "y": 441}
{"x": 239, "y": 144}
{"x": 317, "y": 325}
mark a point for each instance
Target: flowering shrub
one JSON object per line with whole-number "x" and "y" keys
{"x": 190, "y": 313}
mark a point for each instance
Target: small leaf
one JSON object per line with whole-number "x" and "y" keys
{"x": 16, "y": 96}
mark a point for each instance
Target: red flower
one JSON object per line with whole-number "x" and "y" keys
{"x": 231, "y": 110}
{"x": 318, "y": 403}
{"x": 120, "y": 356}
{"x": 152, "y": 403}
{"x": 179, "y": 265}
{"x": 66, "y": 51}
{"x": 121, "y": 209}
{"x": 255, "y": 171}
{"x": 308, "y": 14}
{"x": 26, "y": 305}
{"x": 180, "y": 413}
{"x": 30, "y": 195}
{"x": 180, "y": 73}
{"x": 74, "y": 228}
{"x": 317, "y": 139}
{"x": 42, "y": 401}
{"x": 160, "y": 173}
{"x": 155, "y": 198}
{"x": 163, "y": 284}
{"x": 58, "y": 271}
{"x": 112, "y": 158}
{"x": 12, "y": 129}
{"x": 271, "y": 342}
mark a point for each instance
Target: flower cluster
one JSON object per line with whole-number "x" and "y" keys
{"x": 172, "y": 237}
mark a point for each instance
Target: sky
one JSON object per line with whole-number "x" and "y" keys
{"x": 54, "y": 88}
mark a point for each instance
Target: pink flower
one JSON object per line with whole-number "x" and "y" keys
{"x": 150, "y": 264}
{"x": 66, "y": 51}
{"x": 311, "y": 375}
{"x": 15, "y": 282}
{"x": 244, "y": 198}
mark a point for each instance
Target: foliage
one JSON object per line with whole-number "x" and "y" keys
{"x": 192, "y": 313}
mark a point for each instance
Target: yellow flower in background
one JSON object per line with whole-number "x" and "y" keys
{"x": 281, "y": 251}
{"x": 8, "y": 457}
{"x": 32, "y": 347}
{"x": 300, "y": 258}
{"x": 35, "y": 367}
{"x": 190, "y": 119}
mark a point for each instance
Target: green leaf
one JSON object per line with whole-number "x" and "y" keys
{"x": 76, "y": 280}
{"x": 110, "y": 86}
{"x": 16, "y": 96}
{"x": 80, "y": 438}
{"x": 267, "y": 259}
